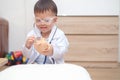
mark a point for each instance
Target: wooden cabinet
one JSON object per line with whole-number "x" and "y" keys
{"x": 93, "y": 40}
{"x": 3, "y": 37}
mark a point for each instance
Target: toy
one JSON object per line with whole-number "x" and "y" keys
{"x": 41, "y": 45}
{"x": 16, "y": 57}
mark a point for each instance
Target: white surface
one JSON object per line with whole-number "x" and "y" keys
{"x": 88, "y": 7}
{"x": 14, "y": 12}
{"x": 45, "y": 72}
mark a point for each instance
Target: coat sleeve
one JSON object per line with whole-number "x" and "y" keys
{"x": 31, "y": 54}
{"x": 60, "y": 46}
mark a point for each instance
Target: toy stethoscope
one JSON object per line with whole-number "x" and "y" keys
{"x": 53, "y": 61}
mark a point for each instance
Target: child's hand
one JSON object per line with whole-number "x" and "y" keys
{"x": 42, "y": 46}
{"x": 30, "y": 42}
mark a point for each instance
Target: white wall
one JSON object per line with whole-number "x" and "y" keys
{"x": 88, "y": 7}
{"x": 20, "y": 15}
{"x": 14, "y": 12}
{"x": 29, "y": 14}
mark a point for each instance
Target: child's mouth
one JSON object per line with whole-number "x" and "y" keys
{"x": 43, "y": 28}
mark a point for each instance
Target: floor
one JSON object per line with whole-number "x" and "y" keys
{"x": 99, "y": 73}
{"x": 104, "y": 73}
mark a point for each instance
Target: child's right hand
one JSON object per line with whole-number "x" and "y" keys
{"x": 29, "y": 42}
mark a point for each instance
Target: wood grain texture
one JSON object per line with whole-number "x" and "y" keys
{"x": 89, "y": 25}
{"x": 92, "y": 48}
{"x": 104, "y": 73}
{"x": 3, "y": 61}
{"x": 93, "y": 39}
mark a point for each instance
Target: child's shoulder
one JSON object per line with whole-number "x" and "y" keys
{"x": 58, "y": 30}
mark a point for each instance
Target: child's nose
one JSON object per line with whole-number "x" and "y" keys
{"x": 43, "y": 22}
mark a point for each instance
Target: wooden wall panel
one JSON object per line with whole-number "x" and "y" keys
{"x": 92, "y": 48}
{"x": 4, "y": 29}
{"x": 0, "y": 41}
{"x": 93, "y": 40}
{"x": 89, "y": 25}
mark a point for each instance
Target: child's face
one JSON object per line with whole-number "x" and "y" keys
{"x": 45, "y": 21}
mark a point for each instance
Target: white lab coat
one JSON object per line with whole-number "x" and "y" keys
{"x": 59, "y": 43}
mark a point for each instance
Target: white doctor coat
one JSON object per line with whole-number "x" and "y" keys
{"x": 58, "y": 41}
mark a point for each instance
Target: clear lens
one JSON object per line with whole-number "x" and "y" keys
{"x": 46, "y": 20}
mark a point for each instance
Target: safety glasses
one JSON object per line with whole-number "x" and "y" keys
{"x": 48, "y": 21}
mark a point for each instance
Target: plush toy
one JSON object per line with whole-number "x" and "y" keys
{"x": 16, "y": 57}
{"x": 41, "y": 45}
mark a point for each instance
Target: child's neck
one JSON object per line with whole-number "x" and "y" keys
{"x": 45, "y": 35}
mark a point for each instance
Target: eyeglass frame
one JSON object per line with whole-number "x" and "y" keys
{"x": 45, "y": 20}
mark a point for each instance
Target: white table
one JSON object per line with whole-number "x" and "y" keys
{"x": 45, "y": 72}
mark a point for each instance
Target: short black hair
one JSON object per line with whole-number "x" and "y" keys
{"x": 45, "y": 5}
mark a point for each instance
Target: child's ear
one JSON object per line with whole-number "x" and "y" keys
{"x": 55, "y": 19}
